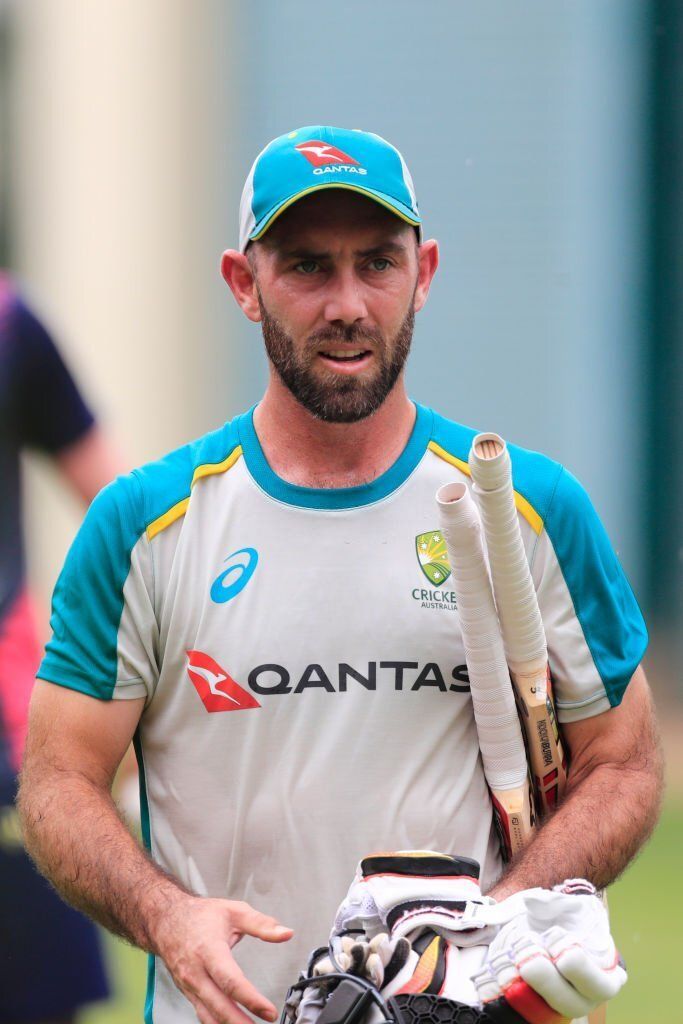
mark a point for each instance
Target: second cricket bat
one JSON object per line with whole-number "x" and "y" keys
{"x": 519, "y": 615}
{"x": 499, "y": 732}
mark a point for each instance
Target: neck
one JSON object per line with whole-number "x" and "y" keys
{"x": 312, "y": 453}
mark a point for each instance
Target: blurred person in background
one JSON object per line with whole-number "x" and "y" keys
{"x": 50, "y": 957}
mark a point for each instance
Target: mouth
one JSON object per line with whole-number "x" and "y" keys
{"x": 346, "y": 360}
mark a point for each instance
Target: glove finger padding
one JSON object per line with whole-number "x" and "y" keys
{"x": 503, "y": 985}
{"x": 386, "y": 959}
{"x": 596, "y": 978}
{"x": 547, "y": 973}
{"x": 395, "y": 967}
{"x": 576, "y": 933}
{"x": 535, "y": 966}
{"x": 355, "y": 957}
{"x": 521, "y": 1005}
{"x": 348, "y": 954}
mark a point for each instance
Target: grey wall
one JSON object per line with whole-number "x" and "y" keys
{"x": 521, "y": 123}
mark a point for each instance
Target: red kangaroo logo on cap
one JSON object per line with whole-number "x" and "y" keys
{"x": 321, "y": 153}
{"x": 217, "y": 689}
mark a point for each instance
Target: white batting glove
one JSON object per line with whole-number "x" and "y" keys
{"x": 401, "y": 893}
{"x": 557, "y": 956}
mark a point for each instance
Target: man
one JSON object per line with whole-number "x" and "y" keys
{"x": 50, "y": 960}
{"x": 292, "y": 673}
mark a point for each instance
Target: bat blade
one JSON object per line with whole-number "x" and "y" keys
{"x": 520, "y": 617}
{"x": 500, "y": 735}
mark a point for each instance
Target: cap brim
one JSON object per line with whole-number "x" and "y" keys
{"x": 391, "y": 204}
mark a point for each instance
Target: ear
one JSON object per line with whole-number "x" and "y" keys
{"x": 239, "y": 276}
{"x": 428, "y": 261}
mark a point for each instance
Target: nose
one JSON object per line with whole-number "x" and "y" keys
{"x": 345, "y": 302}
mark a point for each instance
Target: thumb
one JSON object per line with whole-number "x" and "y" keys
{"x": 261, "y": 926}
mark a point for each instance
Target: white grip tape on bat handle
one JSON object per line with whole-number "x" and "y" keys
{"x": 515, "y": 594}
{"x": 500, "y": 736}
{"x": 490, "y": 474}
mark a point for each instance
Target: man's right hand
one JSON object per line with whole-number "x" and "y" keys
{"x": 194, "y": 938}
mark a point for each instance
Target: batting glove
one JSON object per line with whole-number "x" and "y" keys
{"x": 554, "y": 961}
{"x": 403, "y": 893}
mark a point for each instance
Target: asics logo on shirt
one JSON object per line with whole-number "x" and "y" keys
{"x": 235, "y": 578}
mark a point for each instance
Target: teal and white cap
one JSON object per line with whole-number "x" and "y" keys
{"x": 318, "y": 157}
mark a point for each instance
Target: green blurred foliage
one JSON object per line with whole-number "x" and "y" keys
{"x": 644, "y": 908}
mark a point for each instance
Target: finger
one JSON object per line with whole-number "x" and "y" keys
{"x": 253, "y": 922}
{"x": 229, "y": 1014}
{"x": 230, "y": 981}
{"x": 324, "y": 966}
{"x": 398, "y": 960}
{"x": 486, "y": 984}
{"x": 359, "y": 954}
{"x": 375, "y": 970}
{"x": 212, "y": 1006}
{"x": 518, "y": 1004}
{"x": 380, "y": 946}
{"x": 344, "y": 955}
{"x": 203, "y": 1015}
{"x": 536, "y": 968}
{"x": 596, "y": 981}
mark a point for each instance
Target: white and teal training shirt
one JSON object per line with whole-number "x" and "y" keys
{"x": 302, "y": 666}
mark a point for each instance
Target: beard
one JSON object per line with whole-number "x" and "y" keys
{"x": 337, "y": 398}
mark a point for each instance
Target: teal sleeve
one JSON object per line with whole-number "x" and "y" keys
{"x": 88, "y": 600}
{"x": 604, "y": 603}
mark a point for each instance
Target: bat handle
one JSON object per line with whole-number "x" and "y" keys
{"x": 533, "y": 677}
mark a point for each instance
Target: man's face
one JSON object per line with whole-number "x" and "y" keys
{"x": 336, "y": 278}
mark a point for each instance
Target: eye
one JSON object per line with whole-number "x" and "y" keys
{"x": 307, "y": 267}
{"x": 380, "y": 263}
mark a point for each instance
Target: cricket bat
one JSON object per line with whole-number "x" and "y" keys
{"x": 519, "y": 615}
{"x": 500, "y": 736}
{"x": 521, "y": 625}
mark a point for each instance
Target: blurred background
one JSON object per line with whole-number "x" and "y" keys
{"x": 546, "y": 144}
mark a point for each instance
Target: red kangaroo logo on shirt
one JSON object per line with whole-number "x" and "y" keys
{"x": 321, "y": 153}
{"x": 217, "y": 689}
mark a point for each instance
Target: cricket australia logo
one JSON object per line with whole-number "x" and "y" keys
{"x": 433, "y": 556}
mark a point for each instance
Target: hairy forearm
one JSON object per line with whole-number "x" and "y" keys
{"x": 608, "y": 813}
{"x": 73, "y": 832}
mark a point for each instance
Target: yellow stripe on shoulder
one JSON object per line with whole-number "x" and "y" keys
{"x": 211, "y": 468}
{"x": 524, "y": 507}
{"x": 169, "y": 517}
{"x": 529, "y": 512}
{"x": 180, "y": 508}
{"x": 447, "y": 457}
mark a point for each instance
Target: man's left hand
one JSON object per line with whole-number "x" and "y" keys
{"x": 554, "y": 961}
